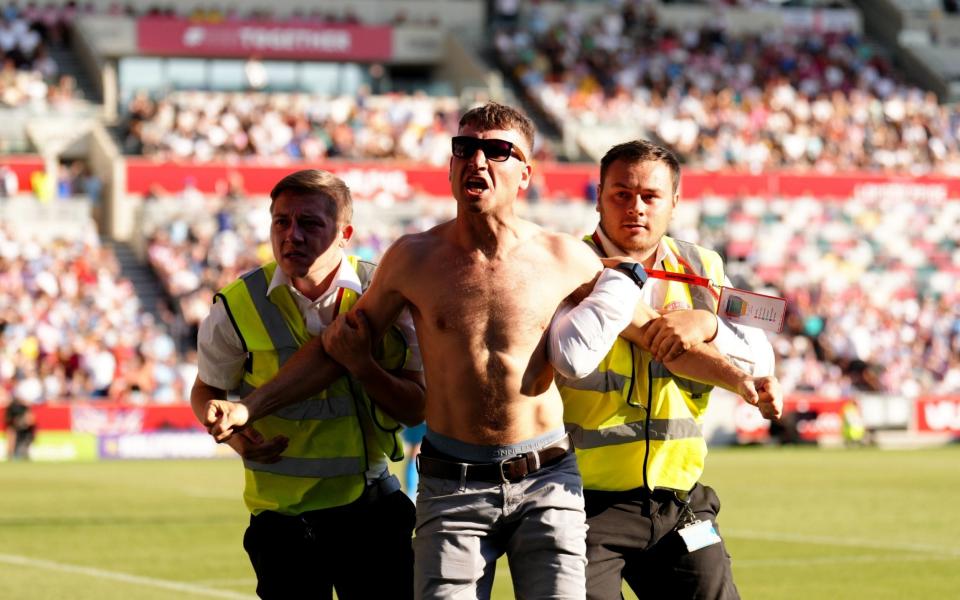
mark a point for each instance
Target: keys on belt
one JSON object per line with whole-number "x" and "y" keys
{"x": 511, "y": 470}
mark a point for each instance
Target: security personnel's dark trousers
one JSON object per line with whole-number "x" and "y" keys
{"x": 633, "y": 535}
{"x": 363, "y": 550}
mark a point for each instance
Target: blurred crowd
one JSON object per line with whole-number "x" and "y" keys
{"x": 871, "y": 283}
{"x": 29, "y": 76}
{"x": 72, "y": 328}
{"x": 203, "y": 126}
{"x": 799, "y": 99}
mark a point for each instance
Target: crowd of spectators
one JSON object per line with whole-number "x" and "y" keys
{"x": 871, "y": 286}
{"x": 71, "y": 328}
{"x": 783, "y": 98}
{"x": 203, "y": 126}
{"x": 28, "y": 74}
{"x": 871, "y": 283}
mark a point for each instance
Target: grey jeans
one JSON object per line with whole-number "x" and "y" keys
{"x": 539, "y": 523}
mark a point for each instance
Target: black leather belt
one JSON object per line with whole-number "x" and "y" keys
{"x": 510, "y": 470}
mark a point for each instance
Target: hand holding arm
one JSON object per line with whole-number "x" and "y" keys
{"x": 675, "y": 332}
{"x": 348, "y": 341}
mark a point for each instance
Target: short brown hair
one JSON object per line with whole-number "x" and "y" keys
{"x": 641, "y": 151}
{"x": 494, "y": 115}
{"x": 312, "y": 182}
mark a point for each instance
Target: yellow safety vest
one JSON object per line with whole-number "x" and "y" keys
{"x": 325, "y": 460}
{"x": 633, "y": 423}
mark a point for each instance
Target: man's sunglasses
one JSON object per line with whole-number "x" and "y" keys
{"x": 496, "y": 150}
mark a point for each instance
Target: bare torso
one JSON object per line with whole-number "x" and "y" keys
{"x": 481, "y": 322}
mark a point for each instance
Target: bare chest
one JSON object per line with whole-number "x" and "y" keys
{"x": 494, "y": 301}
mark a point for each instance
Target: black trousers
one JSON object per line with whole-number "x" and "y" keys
{"x": 633, "y": 535}
{"x": 363, "y": 549}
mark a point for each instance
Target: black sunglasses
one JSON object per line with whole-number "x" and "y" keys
{"x": 496, "y": 150}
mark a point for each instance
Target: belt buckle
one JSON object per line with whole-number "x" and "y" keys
{"x": 511, "y": 460}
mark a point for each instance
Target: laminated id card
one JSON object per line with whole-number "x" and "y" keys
{"x": 699, "y": 535}
{"x": 752, "y": 309}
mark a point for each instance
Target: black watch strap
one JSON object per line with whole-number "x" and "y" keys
{"x": 634, "y": 271}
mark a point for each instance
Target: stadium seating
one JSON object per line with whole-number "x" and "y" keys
{"x": 870, "y": 283}
{"x": 204, "y": 126}
{"x": 788, "y": 98}
{"x": 71, "y": 328}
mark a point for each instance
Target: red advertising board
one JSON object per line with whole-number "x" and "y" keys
{"x": 938, "y": 414}
{"x": 23, "y": 166}
{"x": 560, "y": 180}
{"x": 819, "y": 416}
{"x": 297, "y": 40}
{"x": 114, "y": 419}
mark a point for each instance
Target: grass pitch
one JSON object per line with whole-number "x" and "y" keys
{"x": 799, "y": 522}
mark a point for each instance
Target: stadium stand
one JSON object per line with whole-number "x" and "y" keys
{"x": 870, "y": 278}
{"x": 204, "y": 126}
{"x": 790, "y": 98}
{"x": 72, "y": 328}
{"x": 895, "y": 262}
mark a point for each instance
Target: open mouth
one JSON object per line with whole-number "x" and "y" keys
{"x": 476, "y": 185}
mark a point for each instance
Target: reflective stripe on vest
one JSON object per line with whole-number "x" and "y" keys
{"x": 308, "y": 467}
{"x": 283, "y": 340}
{"x": 620, "y": 446}
{"x": 660, "y": 429}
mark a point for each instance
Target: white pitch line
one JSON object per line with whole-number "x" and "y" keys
{"x": 835, "y": 541}
{"x": 165, "y": 584}
{"x": 230, "y": 582}
{"x": 832, "y": 560}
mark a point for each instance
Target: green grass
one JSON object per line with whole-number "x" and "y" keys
{"x": 800, "y": 523}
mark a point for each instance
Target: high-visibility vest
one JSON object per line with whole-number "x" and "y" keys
{"x": 328, "y": 453}
{"x": 633, "y": 423}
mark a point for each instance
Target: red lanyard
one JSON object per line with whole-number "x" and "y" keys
{"x": 689, "y": 278}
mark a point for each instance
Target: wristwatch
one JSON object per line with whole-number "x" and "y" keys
{"x": 634, "y": 271}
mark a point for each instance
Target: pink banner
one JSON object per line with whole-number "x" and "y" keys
{"x": 560, "y": 180}
{"x": 302, "y": 41}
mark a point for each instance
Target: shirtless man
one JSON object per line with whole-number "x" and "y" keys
{"x": 497, "y": 474}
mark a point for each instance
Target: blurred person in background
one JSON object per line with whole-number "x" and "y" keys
{"x": 635, "y": 421}
{"x": 21, "y": 426}
{"x": 412, "y": 438}
{"x": 326, "y": 513}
